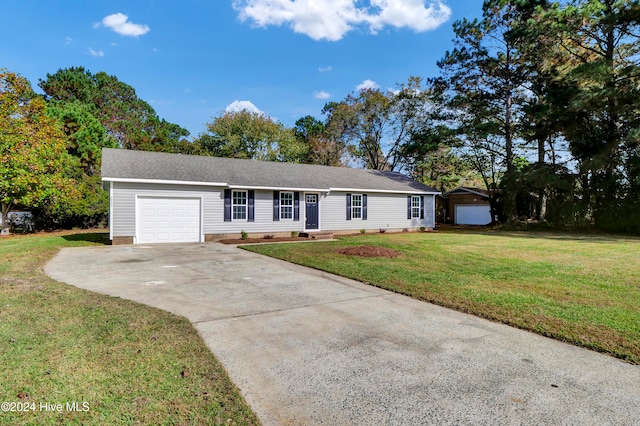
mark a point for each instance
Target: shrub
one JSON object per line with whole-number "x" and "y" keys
{"x": 294, "y": 234}
{"x": 363, "y": 231}
{"x": 422, "y": 228}
{"x": 244, "y": 235}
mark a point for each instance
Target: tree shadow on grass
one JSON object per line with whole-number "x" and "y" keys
{"x": 90, "y": 237}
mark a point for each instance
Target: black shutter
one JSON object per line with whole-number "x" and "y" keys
{"x": 251, "y": 202}
{"x": 296, "y": 206}
{"x": 348, "y": 206}
{"x": 409, "y": 207}
{"x": 227, "y": 205}
{"x": 364, "y": 206}
{"x": 422, "y": 207}
{"x": 276, "y": 206}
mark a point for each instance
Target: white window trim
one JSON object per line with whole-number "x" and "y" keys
{"x": 353, "y": 207}
{"x": 292, "y": 205}
{"x": 246, "y": 206}
{"x": 414, "y": 207}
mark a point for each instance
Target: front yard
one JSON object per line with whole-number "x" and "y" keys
{"x": 69, "y": 356}
{"x": 582, "y": 289}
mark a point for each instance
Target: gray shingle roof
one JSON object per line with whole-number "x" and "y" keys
{"x": 144, "y": 165}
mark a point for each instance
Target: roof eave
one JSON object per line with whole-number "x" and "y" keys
{"x": 163, "y": 181}
{"x": 266, "y": 188}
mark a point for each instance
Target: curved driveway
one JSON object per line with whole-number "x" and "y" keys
{"x": 310, "y": 348}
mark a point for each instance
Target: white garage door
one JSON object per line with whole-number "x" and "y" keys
{"x": 473, "y": 215}
{"x": 168, "y": 220}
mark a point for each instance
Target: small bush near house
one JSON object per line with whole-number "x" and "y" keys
{"x": 363, "y": 231}
{"x": 244, "y": 235}
{"x": 294, "y": 234}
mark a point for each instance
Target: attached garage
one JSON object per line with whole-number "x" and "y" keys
{"x": 168, "y": 220}
{"x": 473, "y": 214}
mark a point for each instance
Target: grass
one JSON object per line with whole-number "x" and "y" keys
{"x": 580, "y": 289}
{"x": 128, "y": 363}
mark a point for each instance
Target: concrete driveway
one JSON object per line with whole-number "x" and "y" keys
{"x": 310, "y": 348}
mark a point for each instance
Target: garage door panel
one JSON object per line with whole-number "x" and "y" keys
{"x": 167, "y": 220}
{"x": 473, "y": 214}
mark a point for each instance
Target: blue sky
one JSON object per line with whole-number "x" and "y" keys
{"x": 193, "y": 59}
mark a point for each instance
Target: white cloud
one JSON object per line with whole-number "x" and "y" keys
{"x": 119, "y": 23}
{"x": 367, "y": 85}
{"x": 69, "y": 40}
{"x": 321, "y": 94}
{"x": 325, "y": 69}
{"x": 332, "y": 19}
{"x": 413, "y": 14}
{"x": 96, "y": 53}
{"x": 237, "y": 106}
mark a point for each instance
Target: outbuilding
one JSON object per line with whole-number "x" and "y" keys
{"x": 172, "y": 198}
{"x": 468, "y": 206}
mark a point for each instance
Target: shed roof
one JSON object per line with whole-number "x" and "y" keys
{"x": 130, "y": 165}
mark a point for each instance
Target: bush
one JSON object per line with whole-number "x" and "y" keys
{"x": 294, "y": 234}
{"x": 244, "y": 235}
{"x": 363, "y": 231}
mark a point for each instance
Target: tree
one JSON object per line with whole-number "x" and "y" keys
{"x": 377, "y": 126}
{"x": 250, "y": 135}
{"x": 132, "y": 122}
{"x": 597, "y": 45}
{"x": 486, "y": 74}
{"x": 444, "y": 169}
{"x": 85, "y": 137}
{"x": 32, "y": 150}
{"x": 323, "y": 147}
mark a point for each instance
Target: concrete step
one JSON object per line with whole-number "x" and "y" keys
{"x": 317, "y": 235}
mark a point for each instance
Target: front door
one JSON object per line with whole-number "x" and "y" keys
{"x": 311, "y": 211}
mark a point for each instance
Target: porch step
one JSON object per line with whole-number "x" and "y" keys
{"x": 317, "y": 235}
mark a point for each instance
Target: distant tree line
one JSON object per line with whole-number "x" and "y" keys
{"x": 537, "y": 102}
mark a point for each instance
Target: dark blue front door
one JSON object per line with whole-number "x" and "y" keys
{"x": 311, "y": 211}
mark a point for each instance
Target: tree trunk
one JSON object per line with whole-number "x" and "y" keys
{"x": 541, "y": 207}
{"x": 510, "y": 208}
{"x": 5, "y": 219}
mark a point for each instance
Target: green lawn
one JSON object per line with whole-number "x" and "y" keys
{"x": 122, "y": 362}
{"x": 583, "y": 289}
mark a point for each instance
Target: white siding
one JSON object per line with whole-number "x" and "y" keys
{"x": 383, "y": 210}
{"x": 263, "y": 220}
{"x": 124, "y": 203}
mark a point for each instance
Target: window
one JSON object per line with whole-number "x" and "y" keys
{"x": 356, "y": 206}
{"x": 415, "y": 207}
{"x": 286, "y": 205}
{"x": 239, "y": 199}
